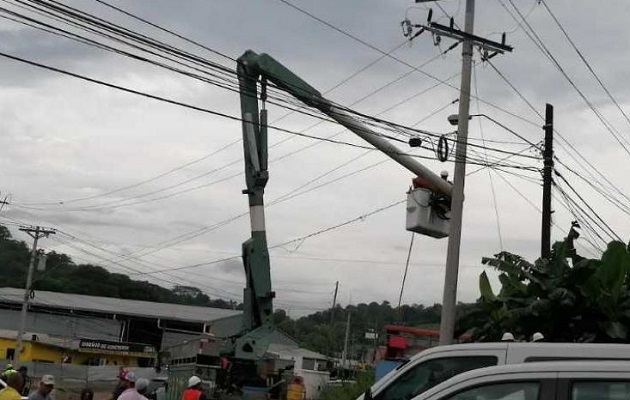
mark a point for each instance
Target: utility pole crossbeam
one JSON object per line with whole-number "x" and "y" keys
{"x": 36, "y": 232}
{"x": 545, "y": 249}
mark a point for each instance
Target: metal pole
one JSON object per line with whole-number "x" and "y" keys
{"x": 384, "y": 145}
{"x": 27, "y": 295}
{"x": 449, "y": 302}
{"x": 545, "y": 237}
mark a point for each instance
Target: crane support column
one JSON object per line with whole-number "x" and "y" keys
{"x": 257, "y": 296}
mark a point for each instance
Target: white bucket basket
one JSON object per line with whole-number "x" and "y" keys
{"x": 423, "y": 218}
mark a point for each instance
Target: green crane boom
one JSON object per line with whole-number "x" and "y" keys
{"x": 258, "y": 296}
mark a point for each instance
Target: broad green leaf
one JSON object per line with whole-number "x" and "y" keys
{"x": 485, "y": 288}
{"x": 614, "y": 268}
{"x": 616, "y": 330}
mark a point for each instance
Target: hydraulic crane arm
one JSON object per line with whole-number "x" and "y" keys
{"x": 264, "y": 66}
{"x": 258, "y": 296}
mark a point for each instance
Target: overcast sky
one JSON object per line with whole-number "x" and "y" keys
{"x": 64, "y": 139}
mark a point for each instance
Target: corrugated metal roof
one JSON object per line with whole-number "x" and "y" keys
{"x": 287, "y": 352}
{"x": 111, "y": 305}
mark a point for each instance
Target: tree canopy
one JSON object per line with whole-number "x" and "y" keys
{"x": 568, "y": 298}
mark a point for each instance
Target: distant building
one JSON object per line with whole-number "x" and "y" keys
{"x": 45, "y": 348}
{"x": 71, "y": 317}
{"x": 82, "y": 329}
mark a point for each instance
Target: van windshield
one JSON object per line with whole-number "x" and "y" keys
{"x": 425, "y": 375}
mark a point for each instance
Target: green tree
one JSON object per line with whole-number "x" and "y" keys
{"x": 567, "y": 297}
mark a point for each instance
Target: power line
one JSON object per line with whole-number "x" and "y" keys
{"x": 91, "y": 244}
{"x": 613, "y": 200}
{"x": 134, "y": 270}
{"x": 220, "y": 114}
{"x": 402, "y": 285}
{"x": 610, "y": 230}
{"x": 442, "y": 81}
{"x": 299, "y": 239}
{"x": 143, "y": 40}
{"x": 382, "y": 121}
{"x": 618, "y": 137}
{"x": 588, "y": 65}
{"x": 571, "y": 146}
{"x": 143, "y": 182}
{"x": 534, "y": 206}
{"x": 136, "y": 17}
{"x": 494, "y": 195}
{"x": 159, "y": 45}
{"x": 580, "y": 216}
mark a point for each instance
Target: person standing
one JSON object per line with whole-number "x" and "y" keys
{"x": 26, "y": 389}
{"x": 14, "y": 384}
{"x": 46, "y": 386}
{"x": 129, "y": 382}
{"x": 120, "y": 386}
{"x": 194, "y": 391}
{"x": 8, "y": 370}
{"x": 142, "y": 386}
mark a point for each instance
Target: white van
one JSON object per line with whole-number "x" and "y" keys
{"x": 566, "y": 380}
{"x": 432, "y": 367}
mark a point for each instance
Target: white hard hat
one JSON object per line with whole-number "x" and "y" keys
{"x": 194, "y": 381}
{"x": 537, "y": 337}
{"x": 142, "y": 384}
{"x": 507, "y": 337}
{"x": 48, "y": 380}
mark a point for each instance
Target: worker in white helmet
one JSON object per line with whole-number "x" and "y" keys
{"x": 507, "y": 337}
{"x": 194, "y": 390}
{"x": 537, "y": 337}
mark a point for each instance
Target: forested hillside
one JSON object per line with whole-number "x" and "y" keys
{"x": 64, "y": 275}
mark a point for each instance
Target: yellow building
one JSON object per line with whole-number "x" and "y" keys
{"x": 56, "y": 350}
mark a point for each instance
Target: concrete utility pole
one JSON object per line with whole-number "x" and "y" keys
{"x": 344, "y": 355}
{"x": 489, "y": 50}
{"x": 36, "y": 233}
{"x": 545, "y": 246}
{"x": 449, "y": 298}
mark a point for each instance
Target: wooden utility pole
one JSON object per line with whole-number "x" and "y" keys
{"x": 545, "y": 237}
{"x": 36, "y": 232}
{"x": 334, "y": 304}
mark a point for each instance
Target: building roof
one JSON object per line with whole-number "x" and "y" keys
{"x": 288, "y": 352}
{"x": 109, "y": 305}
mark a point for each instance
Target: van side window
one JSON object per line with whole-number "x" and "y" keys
{"x": 599, "y": 390}
{"x": 501, "y": 391}
{"x": 425, "y": 375}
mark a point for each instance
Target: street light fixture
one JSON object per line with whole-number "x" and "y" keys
{"x": 453, "y": 119}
